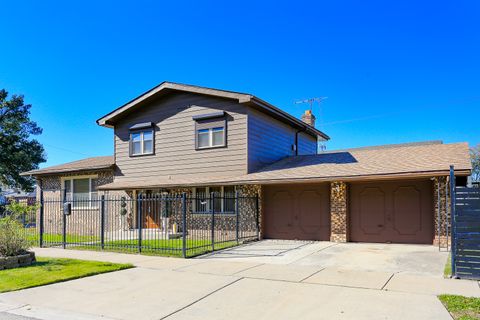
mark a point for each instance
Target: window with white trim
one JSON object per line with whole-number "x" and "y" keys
{"x": 224, "y": 202}
{"x": 210, "y": 133}
{"x": 212, "y": 137}
{"x": 81, "y": 191}
{"x": 141, "y": 142}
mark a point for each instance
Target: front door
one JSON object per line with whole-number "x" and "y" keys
{"x": 150, "y": 211}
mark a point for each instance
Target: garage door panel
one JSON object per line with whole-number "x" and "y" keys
{"x": 407, "y": 211}
{"x": 297, "y": 212}
{"x": 311, "y": 213}
{"x": 372, "y": 210}
{"x": 282, "y": 202}
{"x": 404, "y": 214}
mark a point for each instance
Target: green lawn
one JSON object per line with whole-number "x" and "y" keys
{"x": 161, "y": 247}
{"x": 461, "y": 308}
{"x": 49, "y": 270}
{"x": 33, "y": 235}
{"x": 447, "y": 271}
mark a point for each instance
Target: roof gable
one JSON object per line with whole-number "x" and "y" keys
{"x": 243, "y": 98}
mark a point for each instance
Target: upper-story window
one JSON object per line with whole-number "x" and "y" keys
{"x": 141, "y": 139}
{"x": 212, "y": 137}
{"x": 210, "y": 131}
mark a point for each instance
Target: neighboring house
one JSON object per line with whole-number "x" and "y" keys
{"x": 180, "y": 138}
{"x": 7, "y": 194}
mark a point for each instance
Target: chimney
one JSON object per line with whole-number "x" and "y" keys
{"x": 308, "y": 118}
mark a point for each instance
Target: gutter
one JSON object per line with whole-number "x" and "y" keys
{"x": 60, "y": 171}
{"x": 237, "y": 181}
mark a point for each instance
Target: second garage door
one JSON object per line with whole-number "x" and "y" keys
{"x": 297, "y": 212}
{"x": 397, "y": 212}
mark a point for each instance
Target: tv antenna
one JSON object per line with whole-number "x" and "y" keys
{"x": 311, "y": 101}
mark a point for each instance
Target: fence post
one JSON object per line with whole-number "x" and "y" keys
{"x": 446, "y": 211}
{"x": 439, "y": 217}
{"x": 102, "y": 222}
{"x": 184, "y": 225}
{"x": 64, "y": 220}
{"x": 212, "y": 203}
{"x": 236, "y": 216}
{"x": 453, "y": 219}
{"x": 40, "y": 238}
{"x": 139, "y": 221}
{"x": 257, "y": 207}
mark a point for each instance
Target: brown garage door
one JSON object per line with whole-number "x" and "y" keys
{"x": 400, "y": 211}
{"x": 297, "y": 212}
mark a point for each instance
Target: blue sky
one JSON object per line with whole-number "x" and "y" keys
{"x": 393, "y": 71}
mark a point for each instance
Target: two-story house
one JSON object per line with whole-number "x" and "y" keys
{"x": 183, "y": 138}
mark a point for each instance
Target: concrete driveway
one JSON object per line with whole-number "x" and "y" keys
{"x": 392, "y": 258}
{"x": 264, "y": 280}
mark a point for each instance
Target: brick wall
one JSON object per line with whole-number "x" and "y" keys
{"x": 85, "y": 221}
{"x": 338, "y": 211}
{"x": 440, "y": 191}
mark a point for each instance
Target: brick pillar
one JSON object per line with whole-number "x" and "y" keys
{"x": 338, "y": 212}
{"x": 252, "y": 191}
{"x": 440, "y": 184}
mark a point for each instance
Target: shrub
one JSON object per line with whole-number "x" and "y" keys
{"x": 13, "y": 240}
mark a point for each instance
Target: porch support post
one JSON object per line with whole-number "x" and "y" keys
{"x": 338, "y": 211}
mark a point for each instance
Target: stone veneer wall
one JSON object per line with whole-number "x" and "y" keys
{"x": 441, "y": 184}
{"x": 338, "y": 212}
{"x": 86, "y": 222}
{"x": 225, "y": 224}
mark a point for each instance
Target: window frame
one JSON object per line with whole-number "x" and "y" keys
{"x": 91, "y": 204}
{"x": 210, "y": 125}
{"x": 142, "y": 142}
{"x": 207, "y": 192}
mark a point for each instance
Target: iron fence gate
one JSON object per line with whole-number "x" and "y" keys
{"x": 173, "y": 225}
{"x": 466, "y": 233}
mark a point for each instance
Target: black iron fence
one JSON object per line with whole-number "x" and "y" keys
{"x": 173, "y": 225}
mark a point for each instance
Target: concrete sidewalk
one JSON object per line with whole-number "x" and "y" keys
{"x": 175, "y": 288}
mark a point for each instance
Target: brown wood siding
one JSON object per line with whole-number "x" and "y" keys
{"x": 175, "y": 153}
{"x": 306, "y": 144}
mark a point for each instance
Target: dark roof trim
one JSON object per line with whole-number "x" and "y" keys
{"x": 41, "y": 172}
{"x": 142, "y": 125}
{"x": 209, "y": 115}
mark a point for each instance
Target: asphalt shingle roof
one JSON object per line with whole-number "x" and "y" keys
{"x": 388, "y": 161}
{"x": 94, "y": 163}
{"x": 406, "y": 159}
